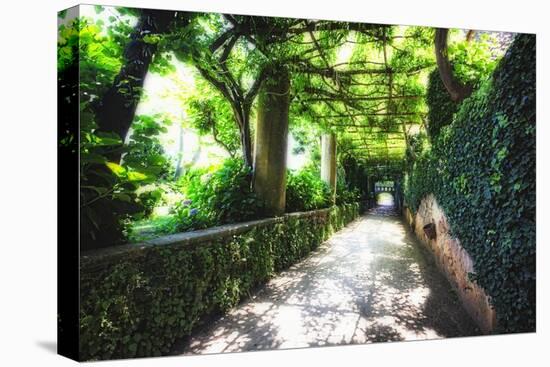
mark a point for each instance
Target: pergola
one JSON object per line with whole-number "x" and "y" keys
{"x": 361, "y": 83}
{"x": 377, "y": 123}
{"x": 373, "y": 126}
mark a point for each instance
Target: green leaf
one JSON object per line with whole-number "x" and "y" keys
{"x": 136, "y": 176}
{"x": 152, "y": 39}
{"x": 122, "y": 197}
{"x": 107, "y": 141}
{"x": 117, "y": 169}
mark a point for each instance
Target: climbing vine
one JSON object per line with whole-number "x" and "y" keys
{"x": 482, "y": 170}
{"x": 442, "y": 107}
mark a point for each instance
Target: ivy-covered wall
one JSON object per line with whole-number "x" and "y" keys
{"x": 137, "y": 300}
{"x": 442, "y": 107}
{"x": 481, "y": 169}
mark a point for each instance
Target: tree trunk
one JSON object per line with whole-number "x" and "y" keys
{"x": 246, "y": 141}
{"x": 456, "y": 89}
{"x": 177, "y": 173}
{"x": 328, "y": 162}
{"x": 272, "y": 142}
{"x": 116, "y": 109}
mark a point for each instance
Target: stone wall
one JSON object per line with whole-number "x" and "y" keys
{"x": 452, "y": 260}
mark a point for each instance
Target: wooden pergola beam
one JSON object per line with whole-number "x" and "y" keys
{"x": 373, "y": 114}
{"x": 377, "y": 98}
{"x": 367, "y": 127}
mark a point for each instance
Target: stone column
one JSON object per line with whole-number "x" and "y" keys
{"x": 370, "y": 191}
{"x": 371, "y": 185}
{"x": 271, "y": 142}
{"x": 328, "y": 162}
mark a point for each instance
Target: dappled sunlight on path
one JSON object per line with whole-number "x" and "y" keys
{"x": 370, "y": 282}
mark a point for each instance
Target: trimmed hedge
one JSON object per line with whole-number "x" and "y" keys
{"x": 136, "y": 301}
{"x": 482, "y": 171}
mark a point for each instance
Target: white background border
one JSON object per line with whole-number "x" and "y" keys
{"x": 28, "y": 182}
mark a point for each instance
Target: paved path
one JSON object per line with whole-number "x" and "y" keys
{"x": 370, "y": 282}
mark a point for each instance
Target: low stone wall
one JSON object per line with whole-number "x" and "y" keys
{"x": 452, "y": 260}
{"x": 137, "y": 300}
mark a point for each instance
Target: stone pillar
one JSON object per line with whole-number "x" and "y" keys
{"x": 370, "y": 190}
{"x": 271, "y": 142}
{"x": 371, "y": 185}
{"x": 328, "y": 162}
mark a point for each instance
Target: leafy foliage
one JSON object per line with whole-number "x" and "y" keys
{"x": 145, "y": 152}
{"x": 139, "y": 301}
{"x": 482, "y": 171}
{"x": 109, "y": 187}
{"x": 351, "y": 185}
{"x": 212, "y": 115}
{"x": 106, "y": 194}
{"x": 346, "y": 195}
{"x": 442, "y": 107}
{"x": 472, "y": 62}
{"x": 218, "y": 197}
{"x": 306, "y": 191}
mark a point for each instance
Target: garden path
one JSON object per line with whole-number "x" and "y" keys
{"x": 370, "y": 282}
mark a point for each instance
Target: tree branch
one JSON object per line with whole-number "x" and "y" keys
{"x": 457, "y": 90}
{"x": 218, "y": 42}
{"x": 217, "y": 140}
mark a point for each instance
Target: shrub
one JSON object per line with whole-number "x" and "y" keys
{"x": 218, "y": 197}
{"x": 306, "y": 191}
{"x": 482, "y": 171}
{"x": 355, "y": 172}
{"x": 149, "y": 197}
{"x": 345, "y": 195}
{"x": 345, "y": 192}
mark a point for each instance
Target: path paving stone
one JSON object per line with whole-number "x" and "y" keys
{"x": 370, "y": 282}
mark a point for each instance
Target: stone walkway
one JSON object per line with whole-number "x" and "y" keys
{"x": 370, "y": 282}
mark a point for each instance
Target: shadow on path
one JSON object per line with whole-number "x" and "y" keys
{"x": 370, "y": 282}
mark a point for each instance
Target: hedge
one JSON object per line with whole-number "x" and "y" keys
{"x": 136, "y": 301}
{"x": 482, "y": 171}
